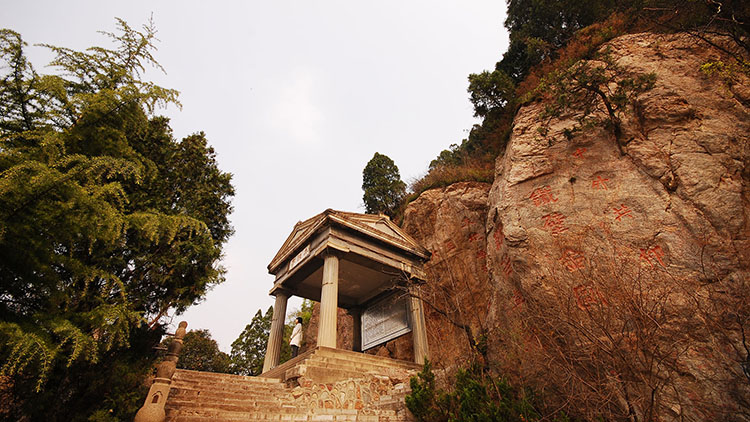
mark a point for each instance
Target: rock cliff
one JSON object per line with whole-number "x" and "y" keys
{"x": 610, "y": 271}
{"x": 617, "y": 275}
{"x": 450, "y": 223}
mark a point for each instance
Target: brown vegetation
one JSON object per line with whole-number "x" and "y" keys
{"x": 615, "y": 340}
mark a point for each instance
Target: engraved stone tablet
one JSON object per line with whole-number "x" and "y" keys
{"x": 300, "y": 256}
{"x": 385, "y": 320}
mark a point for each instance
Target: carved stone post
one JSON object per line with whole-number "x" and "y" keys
{"x": 356, "y": 314}
{"x": 419, "y": 328}
{"x": 275, "y": 337}
{"x": 153, "y": 408}
{"x": 329, "y": 297}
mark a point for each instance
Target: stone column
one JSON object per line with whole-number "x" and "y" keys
{"x": 329, "y": 298}
{"x": 356, "y": 314}
{"x": 273, "y": 349}
{"x": 419, "y": 329}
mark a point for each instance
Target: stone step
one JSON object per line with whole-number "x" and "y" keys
{"x": 185, "y": 394}
{"x": 331, "y": 365}
{"x": 209, "y": 391}
{"x": 241, "y": 385}
{"x": 185, "y": 405}
{"x": 348, "y": 354}
{"x": 185, "y": 374}
{"x": 357, "y": 364}
{"x": 202, "y": 396}
{"x": 278, "y": 372}
{"x": 298, "y": 418}
{"x": 275, "y": 414}
{"x": 229, "y": 386}
{"x": 326, "y": 372}
{"x": 341, "y": 358}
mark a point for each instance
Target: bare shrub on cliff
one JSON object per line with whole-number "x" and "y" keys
{"x": 623, "y": 340}
{"x": 457, "y": 311}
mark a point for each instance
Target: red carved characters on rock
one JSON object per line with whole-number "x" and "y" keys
{"x": 579, "y": 152}
{"x": 623, "y": 211}
{"x": 573, "y": 260}
{"x": 599, "y": 183}
{"x": 498, "y": 237}
{"x": 653, "y": 255}
{"x": 554, "y": 223}
{"x": 506, "y": 265}
{"x": 587, "y": 296}
{"x": 542, "y": 196}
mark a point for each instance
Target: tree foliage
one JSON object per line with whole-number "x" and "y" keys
{"x": 249, "y": 349}
{"x": 549, "y": 36}
{"x": 382, "y": 184}
{"x": 475, "y": 395}
{"x": 590, "y": 85}
{"x": 106, "y": 222}
{"x": 200, "y": 352}
{"x": 538, "y": 28}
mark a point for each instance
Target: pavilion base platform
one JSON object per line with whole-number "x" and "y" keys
{"x": 326, "y": 365}
{"x": 322, "y": 384}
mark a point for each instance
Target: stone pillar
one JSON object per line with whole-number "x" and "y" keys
{"x": 356, "y": 314}
{"x": 419, "y": 329}
{"x": 153, "y": 408}
{"x": 273, "y": 349}
{"x": 329, "y": 298}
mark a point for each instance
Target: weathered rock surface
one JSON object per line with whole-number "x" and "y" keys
{"x": 343, "y": 329}
{"x": 616, "y": 283}
{"x": 450, "y": 223}
{"x": 642, "y": 258}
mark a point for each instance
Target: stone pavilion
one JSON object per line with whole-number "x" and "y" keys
{"x": 363, "y": 263}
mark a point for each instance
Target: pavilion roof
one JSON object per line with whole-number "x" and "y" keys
{"x": 375, "y": 226}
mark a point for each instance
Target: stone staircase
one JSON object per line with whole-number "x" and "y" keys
{"x": 320, "y": 385}
{"x": 325, "y": 364}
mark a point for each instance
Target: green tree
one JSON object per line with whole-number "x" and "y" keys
{"x": 200, "y": 352}
{"x": 475, "y": 395}
{"x": 249, "y": 350}
{"x": 537, "y": 28}
{"x": 106, "y": 223}
{"x": 586, "y": 87}
{"x": 305, "y": 311}
{"x": 382, "y": 184}
{"x": 490, "y": 91}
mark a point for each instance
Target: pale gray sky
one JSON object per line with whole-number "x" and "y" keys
{"x": 296, "y": 97}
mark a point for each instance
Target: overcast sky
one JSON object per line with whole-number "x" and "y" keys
{"x": 296, "y": 97}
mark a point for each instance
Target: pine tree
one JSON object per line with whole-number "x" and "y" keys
{"x": 249, "y": 350}
{"x": 106, "y": 223}
{"x": 200, "y": 352}
{"x": 382, "y": 184}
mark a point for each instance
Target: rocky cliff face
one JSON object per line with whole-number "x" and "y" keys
{"x": 617, "y": 277}
{"x": 450, "y": 223}
{"x": 612, "y": 275}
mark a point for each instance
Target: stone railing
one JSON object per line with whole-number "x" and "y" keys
{"x": 153, "y": 408}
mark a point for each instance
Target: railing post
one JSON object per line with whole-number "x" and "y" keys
{"x": 153, "y": 408}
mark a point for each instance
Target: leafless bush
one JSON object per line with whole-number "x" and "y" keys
{"x": 628, "y": 340}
